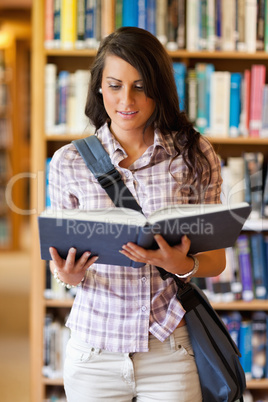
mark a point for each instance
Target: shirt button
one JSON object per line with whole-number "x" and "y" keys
{"x": 127, "y": 174}
{"x": 144, "y": 308}
{"x": 144, "y": 279}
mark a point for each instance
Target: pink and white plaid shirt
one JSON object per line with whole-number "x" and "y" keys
{"x": 117, "y": 307}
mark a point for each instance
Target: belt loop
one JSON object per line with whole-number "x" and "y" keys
{"x": 172, "y": 342}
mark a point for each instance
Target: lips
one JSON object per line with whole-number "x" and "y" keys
{"x": 131, "y": 113}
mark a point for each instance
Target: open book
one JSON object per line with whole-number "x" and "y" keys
{"x": 104, "y": 231}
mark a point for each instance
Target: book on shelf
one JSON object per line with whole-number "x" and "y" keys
{"x": 161, "y": 21}
{"x": 260, "y": 25}
{"x": 245, "y": 346}
{"x": 201, "y": 120}
{"x": 233, "y": 185}
{"x": 80, "y": 25}
{"x": 220, "y": 103}
{"x": 192, "y": 10}
{"x": 259, "y": 265}
{"x": 228, "y": 15}
{"x": 258, "y": 72}
{"x": 251, "y": 24}
{"x": 265, "y": 193}
{"x": 235, "y": 104}
{"x": 208, "y": 226}
{"x": 245, "y": 103}
{"x": 180, "y": 78}
{"x": 264, "y": 113}
{"x": 258, "y": 369}
{"x": 68, "y": 23}
{"x": 254, "y": 181}
{"x": 49, "y": 24}
{"x": 245, "y": 266}
{"x": 191, "y": 90}
{"x": 210, "y": 21}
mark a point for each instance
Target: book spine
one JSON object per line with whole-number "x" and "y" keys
{"x": 202, "y": 16}
{"x": 57, "y": 23}
{"x": 107, "y": 18}
{"x": 151, "y": 16}
{"x": 142, "y": 14}
{"x": 243, "y": 248}
{"x": 68, "y": 24}
{"x": 228, "y": 25}
{"x": 80, "y": 24}
{"x": 265, "y": 203}
{"x": 235, "y": 104}
{"x": 218, "y": 24}
{"x": 180, "y": 77}
{"x": 258, "y": 73}
{"x": 50, "y": 97}
{"x": 172, "y": 25}
{"x": 258, "y": 344}
{"x": 245, "y": 104}
{"x": 211, "y": 40}
{"x": 253, "y": 182}
{"x": 90, "y": 23}
{"x": 241, "y": 43}
{"x": 260, "y": 25}
{"x": 258, "y": 265}
{"x": 161, "y": 20}
{"x": 48, "y": 201}
{"x": 220, "y": 103}
{"x": 130, "y": 13}
{"x": 49, "y": 24}
{"x": 210, "y": 68}
{"x": 191, "y": 94}
{"x": 266, "y": 26}
{"x": 118, "y": 13}
{"x": 81, "y": 82}
{"x": 201, "y": 121}
{"x": 192, "y": 25}
{"x": 245, "y": 346}
{"x": 63, "y": 94}
{"x": 250, "y": 23}
{"x": 264, "y": 118}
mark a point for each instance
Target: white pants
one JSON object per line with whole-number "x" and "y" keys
{"x": 166, "y": 373}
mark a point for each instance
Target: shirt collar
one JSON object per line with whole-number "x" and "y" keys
{"x": 117, "y": 153}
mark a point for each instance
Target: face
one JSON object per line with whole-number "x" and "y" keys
{"x": 123, "y": 96}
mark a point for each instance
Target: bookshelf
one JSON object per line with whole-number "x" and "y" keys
{"x": 14, "y": 129}
{"x": 44, "y": 146}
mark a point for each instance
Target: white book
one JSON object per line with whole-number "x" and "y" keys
{"x": 220, "y": 103}
{"x": 192, "y": 25}
{"x": 211, "y": 38}
{"x": 50, "y": 97}
{"x": 251, "y": 24}
{"x": 161, "y": 21}
{"x": 228, "y": 25}
{"x": 241, "y": 44}
{"x": 236, "y": 167}
{"x": 82, "y": 78}
{"x": 71, "y": 105}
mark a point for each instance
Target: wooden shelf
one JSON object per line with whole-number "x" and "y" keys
{"x": 242, "y": 305}
{"x": 58, "y": 303}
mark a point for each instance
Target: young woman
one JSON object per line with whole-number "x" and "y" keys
{"x": 129, "y": 340}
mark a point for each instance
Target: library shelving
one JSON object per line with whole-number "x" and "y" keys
{"x": 14, "y": 127}
{"x": 44, "y": 145}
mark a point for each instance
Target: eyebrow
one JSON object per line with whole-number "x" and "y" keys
{"x": 116, "y": 79}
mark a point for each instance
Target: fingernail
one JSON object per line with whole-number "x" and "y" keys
{"x": 73, "y": 250}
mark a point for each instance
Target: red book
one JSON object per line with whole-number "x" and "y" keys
{"x": 247, "y": 98}
{"x": 49, "y": 23}
{"x": 258, "y": 73}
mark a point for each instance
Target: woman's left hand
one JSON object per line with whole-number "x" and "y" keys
{"x": 172, "y": 259}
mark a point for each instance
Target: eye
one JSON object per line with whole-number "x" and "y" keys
{"x": 114, "y": 87}
{"x": 139, "y": 87}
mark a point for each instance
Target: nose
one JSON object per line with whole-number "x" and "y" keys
{"x": 127, "y": 96}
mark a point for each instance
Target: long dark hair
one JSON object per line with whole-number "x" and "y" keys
{"x": 146, "y": 54}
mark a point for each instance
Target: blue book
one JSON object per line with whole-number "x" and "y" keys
{"x": 245, "y": 347}
{"x": 233, "y": 323}
{"x": 105, "y": 231}
{"x": 57, "y": 22}
{"x": 151, "y": 16}
{"x": 130, "y": 12}
{"x": 209, "y": 70}
{"x": 90, "y": 23}
{"x": 218, "y": 24}
{"x": 142, "y": 14}
{"x": 259, "y": 265}
{"x": 180, "y": 79}
{"x": 258, "y": 344}
{"x": 201, "y": 121}
{"x": 48, "y": 201}
{"x": 243, "y": 248}
{"x": 235, "y": 104}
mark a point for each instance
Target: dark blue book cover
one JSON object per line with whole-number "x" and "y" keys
{"x": 104, "y": 232}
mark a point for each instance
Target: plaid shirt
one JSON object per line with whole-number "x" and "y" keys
{"x": 117, "y": 307}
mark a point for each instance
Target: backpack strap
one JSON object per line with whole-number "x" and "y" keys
{"x": 99, "y": 162}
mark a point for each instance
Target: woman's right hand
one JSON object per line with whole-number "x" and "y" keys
{"x": 71, "y": 271}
